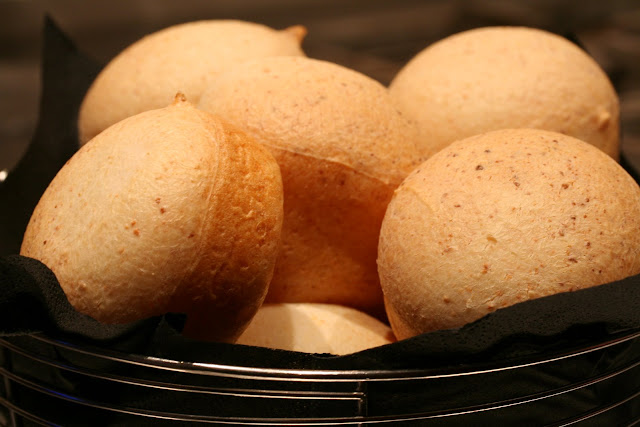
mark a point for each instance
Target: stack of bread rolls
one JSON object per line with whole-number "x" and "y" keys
{"x": 288, "y": 202}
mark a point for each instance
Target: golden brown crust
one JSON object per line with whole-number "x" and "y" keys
{"x": 330, "y": 234}
{"x": 342, "y": 149}
{"x": 320, "y": 110}
{"x": 242, "y": 240}
{"x": 169, "y": 210}
{"x": 299, "y": 32}
{"x": 507, "y": 77}
{"x": 504, "y": 217}
{"x": 181, "y": 58}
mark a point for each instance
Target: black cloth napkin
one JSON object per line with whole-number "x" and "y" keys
{"x": 31, "y": 300}
{"x": 65, "y": 77}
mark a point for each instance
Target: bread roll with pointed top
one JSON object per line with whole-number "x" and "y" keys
{"x": 182, "y": 58}
{"x": 170, "y": 210}
{"x": 342, "y": 149}
{"x": 500, "y": 218}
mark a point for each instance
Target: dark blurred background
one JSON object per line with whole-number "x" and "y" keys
{"x": 376, "y": 37}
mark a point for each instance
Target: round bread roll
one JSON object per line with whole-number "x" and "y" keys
{"x": 182, "y": 58}
{"x": 342, "y": 149}
{"x": 315, "y": 328}
{"x": 500, "y": 218}
{"x": 507, "y": 77}
{"x": 170, "y": 210}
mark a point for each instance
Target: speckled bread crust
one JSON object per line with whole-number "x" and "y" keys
{"x": 500, "y": 218}
{"x": 507, "y": 77}
{"x": 315, "y": 328}
{"x": 171, "y": 210}
{"x": 342, "y": 150}
{"x": 182, "y": 58}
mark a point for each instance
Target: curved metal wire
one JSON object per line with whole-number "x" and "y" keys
{"x": 245, "y": 372}
{"x": 328, "y": 421}
{"x": 261, "y": 374}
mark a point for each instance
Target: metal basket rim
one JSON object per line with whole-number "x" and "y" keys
{"x": 265, "y": 373}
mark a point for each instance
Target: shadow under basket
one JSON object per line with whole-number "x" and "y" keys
{"x": 49, "y": 381}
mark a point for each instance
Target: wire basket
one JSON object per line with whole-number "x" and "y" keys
{"x": 49, "y": 381}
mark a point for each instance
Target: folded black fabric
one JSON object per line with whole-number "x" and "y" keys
{"x": 66, "y": 74}
{"x": 535, "y": 328}
{"x": 32, "y": 300}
